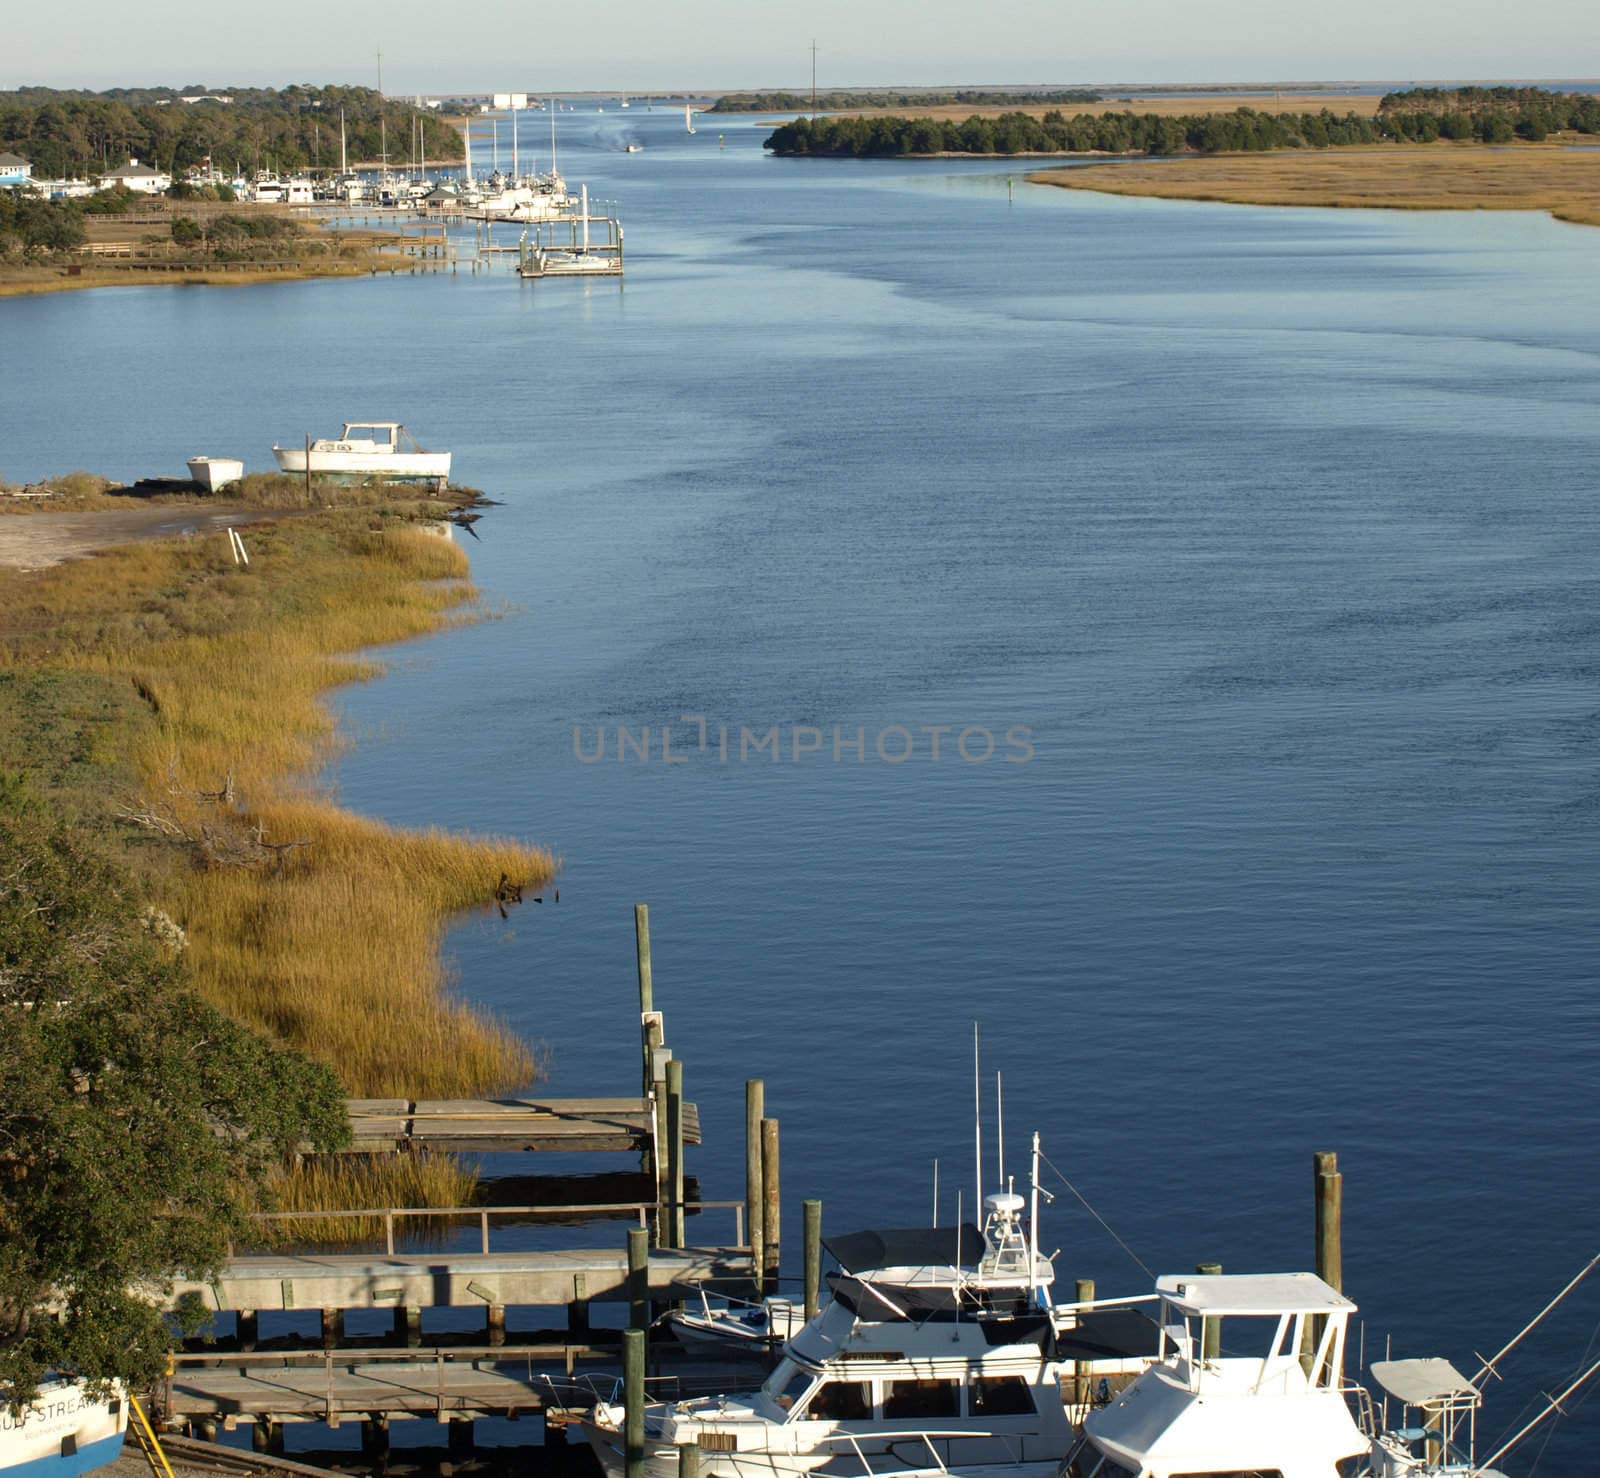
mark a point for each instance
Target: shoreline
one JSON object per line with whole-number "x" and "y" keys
{"x": 317, "y": 924}
{"x": 1556, "y": 179}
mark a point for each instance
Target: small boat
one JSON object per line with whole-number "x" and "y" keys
{"x": 738, "y": 1323}
{"x": 382, "y": 451}
{"x": 688, "y": 118}
{"x": 63, "y": 1433}
{"x": 213, "y": 473}
{"x": 634, "y": 148}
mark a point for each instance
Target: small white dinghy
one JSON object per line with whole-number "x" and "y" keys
{"x": 213, "y": 473}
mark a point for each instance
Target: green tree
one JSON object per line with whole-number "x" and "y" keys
{"x": 137, "y": 1124}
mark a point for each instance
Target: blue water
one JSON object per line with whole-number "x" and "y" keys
{"x": 1277, "y": 532}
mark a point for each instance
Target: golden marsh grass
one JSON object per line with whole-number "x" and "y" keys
{"x": 337, "y": 949}
{"x": 1441, "y": 176}
{"x": 362, "y": 1182}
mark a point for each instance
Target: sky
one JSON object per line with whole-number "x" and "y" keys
{"x": 638, "y": 45}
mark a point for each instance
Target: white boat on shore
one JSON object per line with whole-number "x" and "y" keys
{"x": 382, "y": 451}
{"x": 64, "y": 1432}
{"x": 215, "y": 473}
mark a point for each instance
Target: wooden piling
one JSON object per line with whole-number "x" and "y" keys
{"x": 1328, "y": 1186}
{"x": 1210, "y": 1329}
{"x": 689, "y": 1460}
{"x": 638, "y": 1278}
{"x": 633, "y": 1401}
{"x": 332, "y": 1328}
{"x": 578, "y": 1310}
{"x": 248, "y": 1328}
{"x": 755, "y": 1095}
{"x": 494, "y": 1320}
{"x": 375, "y": 1437}
{"x": 413, "y": 1321}
{"x": 1082, "y": 1371}
{"x": 460, "y": 1438}
{"x": 771, "y": 1232}
{"x": 676, "y": 1218}
{"x": 811, "y": 1253}
{"x": 641, "y": 939}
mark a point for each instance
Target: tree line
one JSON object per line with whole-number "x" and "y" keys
{"x": 1243, "y": 130}
{"x": 783, "y": 102}
{"x": 67, "y": 134}
{"x": 1463, "y": 112}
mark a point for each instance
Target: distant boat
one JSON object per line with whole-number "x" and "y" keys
{"x": 379, "y": 450}
{"x": 634, "y": 149}
{"x": 215, "y": 472}
{"x": 688, "y": 118}
{"x": 63, "y": 1433}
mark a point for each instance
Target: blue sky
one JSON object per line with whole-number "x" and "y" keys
{"x": 639, "y": 44}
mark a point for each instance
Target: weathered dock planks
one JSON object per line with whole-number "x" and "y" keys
{"x": 379, "y": 1125}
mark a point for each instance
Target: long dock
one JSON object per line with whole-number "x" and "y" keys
{"x": 379, "y": 1125}
{"x": 459, "y": 1280}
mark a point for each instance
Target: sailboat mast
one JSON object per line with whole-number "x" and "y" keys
{"x": 977, "y": 1117}
{"x": 999, "y": 1133}
{"x": 516, "y": 178}
{"x": 552, "y": 133}
{"x": 344, "y": 158}
{"x": 1033, "y": 1223}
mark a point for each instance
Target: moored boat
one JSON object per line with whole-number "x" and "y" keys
{"x": 377, "y": 450}
{"x": 62, "y": 1433}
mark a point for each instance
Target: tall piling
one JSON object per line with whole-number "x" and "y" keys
{"x": 676, "y": 1215}
{"x": 633, "y": 1401}
{"x": 1082, "y": 1370}
{"x": 1328, "y": 1188}
{"x": 771, "y": 1230}
{"x": 638, "y": 1279}
{"x": 811, "y": 1222}
{"x": 641, "y": 939}
{"x": 689, "y": 1460}
{"x": 755, "y": 1093}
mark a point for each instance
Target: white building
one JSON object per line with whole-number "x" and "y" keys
{"x": 14, "y": 171}
{"x": 505, "y": 100}
{"x": 139, "y": 178}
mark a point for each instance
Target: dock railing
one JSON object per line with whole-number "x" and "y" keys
{"x": 390, "y": 1215}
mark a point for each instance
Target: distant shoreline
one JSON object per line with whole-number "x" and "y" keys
{"x": 1554, "y": 177}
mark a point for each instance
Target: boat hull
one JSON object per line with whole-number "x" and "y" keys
{"x": 213, "y": 473}
{"x": 63, "y": 1434}
{"x": 431, "y": 467}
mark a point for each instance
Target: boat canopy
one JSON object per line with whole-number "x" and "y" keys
{"x": 1423, "y": 1382}
{"x": 910, "y": 1247}
{"x": 1217, "y": 1295}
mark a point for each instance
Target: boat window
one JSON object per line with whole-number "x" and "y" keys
{"x": 788, "y": 1383}
{"x": 921, "y": 1398}
{"x": 841, "y": 1400}
{"x": 1000, "y": 1395}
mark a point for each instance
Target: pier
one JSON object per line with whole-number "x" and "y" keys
{"x": 489, "y": 1125}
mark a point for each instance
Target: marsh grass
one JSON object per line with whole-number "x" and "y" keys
{"x": 1439, "y": 176}
{"x": 362, "y": 1182}
{"x": 333, "y": 945}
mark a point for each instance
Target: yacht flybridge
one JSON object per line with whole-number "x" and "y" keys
{"x": 1233, "y": 1391}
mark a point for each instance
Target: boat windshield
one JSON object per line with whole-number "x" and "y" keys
{"x": 787, "y": 1385}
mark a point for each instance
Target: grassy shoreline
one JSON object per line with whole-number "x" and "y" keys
{"x": 173, "y": 702}
{"x": 1439, "y": 176}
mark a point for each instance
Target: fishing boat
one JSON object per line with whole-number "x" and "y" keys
{"x": 382, "y": 451}
{"x": 63, "y": 1432}
{"x": 938, "y": 1349}
{"x": 215, "y": 472}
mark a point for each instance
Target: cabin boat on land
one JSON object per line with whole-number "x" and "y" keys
{"x": 382, "y": 451}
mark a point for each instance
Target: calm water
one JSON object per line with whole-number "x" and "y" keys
{"x": 1277, "y": 531}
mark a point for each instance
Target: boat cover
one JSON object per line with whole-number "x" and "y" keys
{"x": 910, "y": 1247}
{"x": 1422, "y": 1382}
{"x": 1110, "y": 1334}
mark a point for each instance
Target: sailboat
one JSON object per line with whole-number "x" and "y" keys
{"x": 688, "y": 118}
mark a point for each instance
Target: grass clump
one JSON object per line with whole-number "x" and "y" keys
{"x": 321, "y": 926}
{"x": 361, "y": 1183}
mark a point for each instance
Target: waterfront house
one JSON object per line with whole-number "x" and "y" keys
{"x": 14, "y": 171}
{"x": 139, "y": 178}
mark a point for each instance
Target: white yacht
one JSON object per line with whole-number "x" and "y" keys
{"x": 1231, "y": 1392}
{"x": 937, "y": 1349}
{"x": 382, "y": 451}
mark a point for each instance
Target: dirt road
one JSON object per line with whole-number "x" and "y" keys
{"x": 35, "y": 541}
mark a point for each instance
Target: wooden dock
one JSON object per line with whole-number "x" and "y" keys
{"x": 461, "y": 1279}
{"x": 379, "y": 1125}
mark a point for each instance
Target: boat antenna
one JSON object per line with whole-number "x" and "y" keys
{"x": 1489, "y": 1364}
{"x": 552, "y": 133}
{"x": 516, "y": 179}
{"x": 936, "y": 1190}
{"x": 957, "y": 1262}
{"x": 999, "y": 1130}
{"x": 977, "y": 1114}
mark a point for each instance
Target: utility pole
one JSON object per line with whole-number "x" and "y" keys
{"x": 813, "y": 74}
